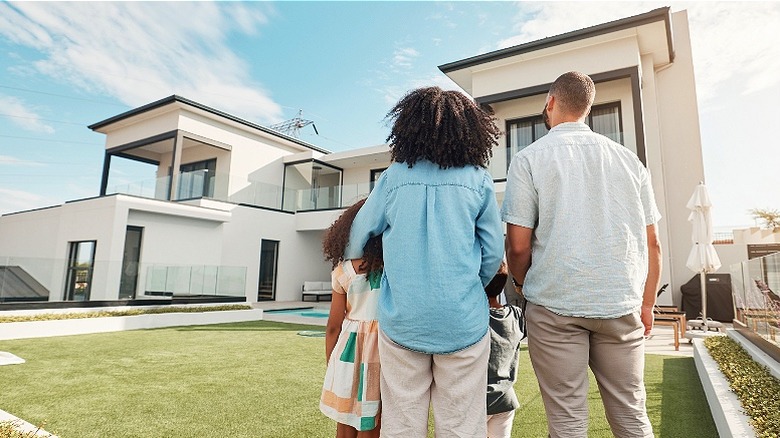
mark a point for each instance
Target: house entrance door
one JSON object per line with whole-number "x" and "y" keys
{"x": 132, "y": 255}
{"x": 269, "y": 257}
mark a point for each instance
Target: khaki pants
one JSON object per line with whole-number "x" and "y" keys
{"x": 562, "y": 348}
{"x": 453, "y": 384}
{"x": 500, "y": 425}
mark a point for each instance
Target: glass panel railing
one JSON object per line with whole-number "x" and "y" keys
{"x": 204, "y": 281}
{"x": 756, "y": 291}
{"x": 31, "y": 279}
{"x": 240, "y": 190}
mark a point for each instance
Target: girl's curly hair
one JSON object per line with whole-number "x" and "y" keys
{"x": 337, "y": 237}
{"x": 444, "y": 127}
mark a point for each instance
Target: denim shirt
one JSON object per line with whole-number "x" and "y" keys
{"x": 443, "y": 242}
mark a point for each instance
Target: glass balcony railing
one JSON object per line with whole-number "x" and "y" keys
{"x": 30, "y": 279}
{"x": 755, "y": 287}
{"x": 241, "y": 190}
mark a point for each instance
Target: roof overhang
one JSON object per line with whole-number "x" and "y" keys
{"x": 175, "y": 102}
{"x": 652, "y": 30}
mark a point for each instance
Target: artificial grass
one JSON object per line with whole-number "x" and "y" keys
{"x": 252, "y": 379}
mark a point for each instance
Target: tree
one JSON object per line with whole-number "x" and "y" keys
{"x": 771, "y": 218}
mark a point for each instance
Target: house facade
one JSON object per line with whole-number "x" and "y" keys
{"x": 238, "y": 210}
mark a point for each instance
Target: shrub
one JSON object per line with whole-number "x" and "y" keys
{"x": 127, "y": 312}
{"x": 9, "y": 429}
{"x": 756, "y": 388}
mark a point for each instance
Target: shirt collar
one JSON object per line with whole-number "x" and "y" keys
{"x": 571, "y": 126}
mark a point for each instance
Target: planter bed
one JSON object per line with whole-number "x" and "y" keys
{"x": 68, "y": 327}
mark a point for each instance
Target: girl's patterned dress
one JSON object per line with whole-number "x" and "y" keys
{"x": 350, "y": 394}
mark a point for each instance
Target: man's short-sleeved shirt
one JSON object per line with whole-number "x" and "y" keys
{"x": 589, "y": 201}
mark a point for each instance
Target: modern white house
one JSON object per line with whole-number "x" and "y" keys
{"x": 238, "y": 210}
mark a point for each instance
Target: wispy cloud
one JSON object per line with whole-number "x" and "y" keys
{"x": 22, "y": 115}
{"x": 13, "y": 161}
{"x": 723, "y": 48}
{"x": 138, "y": 52}
{"x": 19, "y": 200}
{"x": 404, "y": 57}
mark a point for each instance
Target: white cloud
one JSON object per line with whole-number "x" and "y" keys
{"x": 13, "y": 161}
{"x": 404, "y": 57}
{"x": 23, "y": 116}
{"x": 139, "y": 52}
{"x": 18, "y": 200}
{"x": 728, "y": 39}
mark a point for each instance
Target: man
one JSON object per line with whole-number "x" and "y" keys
{"x": 582, "y": 208}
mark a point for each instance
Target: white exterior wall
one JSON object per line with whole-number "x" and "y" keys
{"x": 542, "y": 68}
{"x": 680, "y": 151}
{"x": 144, "y": 127}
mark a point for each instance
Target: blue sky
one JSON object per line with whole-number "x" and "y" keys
{"x": 66, "y": 65}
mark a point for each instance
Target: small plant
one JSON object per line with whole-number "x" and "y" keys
{"x": 756, "y": 388}
{"x": 771, "y": 218}
{"x": 128, "y": 312}
{"x": 10, "y": 429}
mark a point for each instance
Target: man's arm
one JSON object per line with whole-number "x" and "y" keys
{"x": 518, "y": 250}
{"x": 653, "y": 280}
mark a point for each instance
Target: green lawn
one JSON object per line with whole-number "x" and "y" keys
{"x": 255, "y": 379}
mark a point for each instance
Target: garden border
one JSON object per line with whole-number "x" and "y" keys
{"x": 725, "y": 407}
{"x": 23, "y": 426}
{"x": 82, "y": 326}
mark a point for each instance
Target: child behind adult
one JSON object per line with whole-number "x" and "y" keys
{"x": 506, "y": 332}
{"x": 350, "y": 393}
{"x": 436, "y": 210}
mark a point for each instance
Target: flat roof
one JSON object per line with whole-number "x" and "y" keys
{"x": 660, "y": 14}
{"x": 174, "y": 99}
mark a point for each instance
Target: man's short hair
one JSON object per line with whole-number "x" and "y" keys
{"x": 574, "y": 91}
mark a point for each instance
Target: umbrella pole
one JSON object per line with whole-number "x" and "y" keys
{"x": 703, "y": 277}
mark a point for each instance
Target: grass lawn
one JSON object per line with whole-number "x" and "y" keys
{"x": 254, "y": 379}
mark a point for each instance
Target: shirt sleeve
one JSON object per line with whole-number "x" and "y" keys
{"x": 521, "y": 200}
{"x": 370, "y": 220}
{"x": 490, "y": 234}
{"x": 338, "y": 279}
{"x": 652, "y": 215}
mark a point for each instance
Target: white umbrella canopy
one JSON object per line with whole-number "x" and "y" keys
{"x": 703, "y": 258}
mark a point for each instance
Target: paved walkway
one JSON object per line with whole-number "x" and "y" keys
{"x": 660, "y": 342}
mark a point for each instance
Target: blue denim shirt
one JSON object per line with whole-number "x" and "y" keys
{"x": 443, "y": 242}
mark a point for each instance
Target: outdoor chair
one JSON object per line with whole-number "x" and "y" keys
{"x": 670, "y": 316}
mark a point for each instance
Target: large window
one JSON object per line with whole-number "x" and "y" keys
{"x": 311, "y": 185}
{"x": 197, "y": 179}
{"x": 604, "y": 119}
{"x": 81, "y": 261}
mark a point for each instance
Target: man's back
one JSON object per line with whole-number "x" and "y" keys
{"x": 592, "y": 201}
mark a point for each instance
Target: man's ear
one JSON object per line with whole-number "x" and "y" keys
{"x": 550, "y": 102}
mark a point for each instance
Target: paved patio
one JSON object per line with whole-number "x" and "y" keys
{"x": 660, "y": 342}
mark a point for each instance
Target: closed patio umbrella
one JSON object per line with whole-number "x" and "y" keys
{"x": 703, "y": 259}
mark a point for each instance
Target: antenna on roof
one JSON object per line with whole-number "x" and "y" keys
{"x": 293, "y": 126}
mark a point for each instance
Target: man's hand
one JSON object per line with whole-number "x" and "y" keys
{"x": 647, "y": 318}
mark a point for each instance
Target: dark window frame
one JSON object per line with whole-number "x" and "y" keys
{"x": 73, "y": 269}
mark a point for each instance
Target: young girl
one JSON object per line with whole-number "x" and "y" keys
{"x": 350, "y": 394}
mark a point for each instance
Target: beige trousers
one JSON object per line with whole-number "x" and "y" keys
{"x": 500, "y": 425}
{"x": 454, "y": 385}
{"x": 562, "y": 348}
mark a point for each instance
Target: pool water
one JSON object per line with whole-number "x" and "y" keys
{"x": 308, "y": 312}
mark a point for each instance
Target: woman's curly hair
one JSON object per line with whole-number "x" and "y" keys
{"x": 444, "y": 127}
{"x": 337, "y": 237}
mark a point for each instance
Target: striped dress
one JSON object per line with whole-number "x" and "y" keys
{"x": 350, "y": 394}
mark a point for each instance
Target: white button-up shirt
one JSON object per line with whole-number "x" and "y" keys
{"x": 589, "y": 200}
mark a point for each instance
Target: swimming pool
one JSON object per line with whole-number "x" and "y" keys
{"x": 308, "y": 312}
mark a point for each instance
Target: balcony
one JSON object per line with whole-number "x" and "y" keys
{"x": 242, "y": 190}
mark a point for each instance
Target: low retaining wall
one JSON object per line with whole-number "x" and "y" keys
{"x": 82, "y": 326}
{"x": 724, "y": 404}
